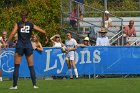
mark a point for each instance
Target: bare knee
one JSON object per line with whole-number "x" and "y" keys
{"x": 68, "y": 64}
{"x": 17, "y": 58}
{"x": 73, "y": 64}
{"x": 30, "y": 60}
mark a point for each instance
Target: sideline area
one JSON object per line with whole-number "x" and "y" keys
{"x": 106, "y": 85}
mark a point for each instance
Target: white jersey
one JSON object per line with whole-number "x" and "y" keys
{"x": 57, "y": 44}
{"x": 70, "y": 44}
{"x": 102, "y": 41}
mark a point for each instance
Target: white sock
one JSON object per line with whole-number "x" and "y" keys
{"x": 70, "y": 73}
{"x": 0, "y": 78}
{"x": 76, "y": 72}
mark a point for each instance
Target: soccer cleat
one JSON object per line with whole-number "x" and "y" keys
{"x": 76, "y": 77}
{"x": 36, "y": 87}
{"x": 71, "y": 78}
{"x": 13, "y": 87}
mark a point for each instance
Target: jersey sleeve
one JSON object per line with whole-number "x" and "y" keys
{"x": 75, "y": 42}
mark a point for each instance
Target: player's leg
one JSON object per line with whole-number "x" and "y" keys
{"x": 72, "y": 61}
{"x": 69, "y": 68}
{"x": 29, "y": 57}
{"x": 17, "y": 60}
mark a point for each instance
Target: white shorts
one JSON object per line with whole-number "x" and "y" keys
{"x": 70, "y": 56}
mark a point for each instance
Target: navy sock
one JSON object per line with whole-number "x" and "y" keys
{"x": 33, "y": 76}
{"x": 15, "y": 74}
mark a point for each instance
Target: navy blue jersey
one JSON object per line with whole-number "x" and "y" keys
{"x": 24, "y": 34}
{"x": 80, "y": 1}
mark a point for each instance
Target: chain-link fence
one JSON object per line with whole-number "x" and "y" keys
{"x": 92, "y": 19}
{"x": 125, "y": 8}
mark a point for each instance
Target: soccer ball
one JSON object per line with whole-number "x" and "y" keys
{"x": 63, "y": 49}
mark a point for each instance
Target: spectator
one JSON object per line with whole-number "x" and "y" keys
{"x": 107, "y": 20}
{"x": 86, "y": 42}
{"x": 56, "y": 41}
{"x": 129, "y": 30}
{"x": 3, "y": 40}
{"x": 4, "y": 36}
{"x": 46, "y": 41}
{"x": 2, "y": 43}
{"x": 128, "y": 43}
{"x": 73, "y": 17}
{"x": 36, "y": 44}
{"x": 81, "y": 8}
{"x": 102, "y": 40}
{"x": 14, "y": 42}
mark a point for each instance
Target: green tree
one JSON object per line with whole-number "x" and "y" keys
{"x": 44, "y": 13}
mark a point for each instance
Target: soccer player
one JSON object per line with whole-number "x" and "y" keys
{"x": 24, "y": 29}
{"x": 71, "y": 46}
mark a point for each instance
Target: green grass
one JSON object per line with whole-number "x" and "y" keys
{"x": 106, "y": 85}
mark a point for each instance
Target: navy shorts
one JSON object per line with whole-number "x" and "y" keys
{"x": 26, "y": 51}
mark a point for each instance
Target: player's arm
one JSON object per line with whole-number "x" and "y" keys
{"x": 13, "y": 33}
{"x": 81, "y": 45}
{"x": 72, "y": 49}
{"x": 39, "y": 29}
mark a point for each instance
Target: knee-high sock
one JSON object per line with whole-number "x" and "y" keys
{"x": 70, "y": 73}
{"x": 33, "y": 75}
{"x": 76, "y": 72}
{"x": 15, "y": 74}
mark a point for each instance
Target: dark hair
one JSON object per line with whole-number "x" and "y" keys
{"x": 69, "y": 33}
{"x": 24, "y": 13}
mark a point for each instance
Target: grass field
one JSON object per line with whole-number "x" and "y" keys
{"x": 105, "y": 85}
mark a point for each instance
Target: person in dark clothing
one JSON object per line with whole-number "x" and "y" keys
{"x": 24, "y": 30}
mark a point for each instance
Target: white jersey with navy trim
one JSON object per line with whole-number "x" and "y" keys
{"x": 70, "y": 44}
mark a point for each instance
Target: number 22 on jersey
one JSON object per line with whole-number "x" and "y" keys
{"x": 25, "y": 29}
